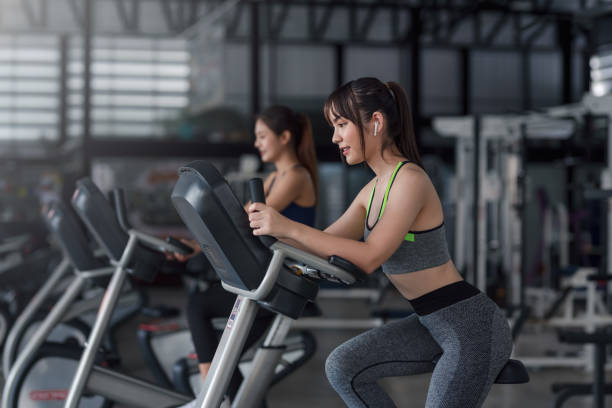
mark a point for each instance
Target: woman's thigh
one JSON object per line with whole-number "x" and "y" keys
{"x": 399, "y": 348}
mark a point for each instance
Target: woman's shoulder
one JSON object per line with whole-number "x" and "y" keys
{"x": 412, "y": 177}
{"x": 296, "y": 177}
{"x": 364, "y": 193}
{"x": 299, "y": 173}
{"x": 269, "y": 178}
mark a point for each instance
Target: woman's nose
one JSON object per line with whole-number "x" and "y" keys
{"x": 335, "y": 137}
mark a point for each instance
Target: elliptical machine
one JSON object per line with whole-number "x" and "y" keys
{"x": 27, "y": 379}
{"x": 37, "y": 347}
{"x": 284, "y": 292}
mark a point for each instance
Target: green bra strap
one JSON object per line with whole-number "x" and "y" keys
{"x": 371, "y": 198}
{"x": 384, "y": 204}
{"x": 409, "y": 236}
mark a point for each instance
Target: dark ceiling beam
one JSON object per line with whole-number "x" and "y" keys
{"x": 112, "y": 147}
{"x": 244, "y": 39}
{"x": 427, "y": 6}
{"x": 516, "y": 24}
{"x": 537, "y": 32}
{"x": 477, "y": 27}
{"x": 77, "y": 12}
{"x": 318, "y": 25}
{"x": 128, "y": 11}
{"x": 195, "y": 12}
{"x": 395, "y": 21}
{"x": 362, "y": 29}
{"x": 276, "y": 22}
{"x": 435, "y": 21}
{"x": 231, "y": 27}
{"x": 454, "y": 21}
{"x": 441, "y": 18}
{"x": 172, "y": 13}
{"x": 36, "y": 12}
{"x": 495, "y": 30}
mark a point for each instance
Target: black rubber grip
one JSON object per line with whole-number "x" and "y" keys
{"x": 118, "y": 197}
{"x": 256, "y": 192}
{"x": 183, "y": 249}
{"x": 348, "y": 267}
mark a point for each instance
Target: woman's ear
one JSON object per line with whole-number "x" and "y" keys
{"x": 378, "y": 122}
{"x": 285, "y": 137}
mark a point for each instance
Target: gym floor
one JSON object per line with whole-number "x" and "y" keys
{"x": 308, "y": 386}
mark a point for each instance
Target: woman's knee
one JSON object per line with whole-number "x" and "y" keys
{"x": 339, "y": 365}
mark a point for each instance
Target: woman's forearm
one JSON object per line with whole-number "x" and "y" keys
{"x": 294, "y": 243}
{"x": 325, "y": 245}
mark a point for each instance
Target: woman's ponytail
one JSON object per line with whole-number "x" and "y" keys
{"x": 405, "y": 142}
{"x": 305, "y": 150}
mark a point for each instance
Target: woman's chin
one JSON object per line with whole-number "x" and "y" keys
{"x": 351, "y": 161}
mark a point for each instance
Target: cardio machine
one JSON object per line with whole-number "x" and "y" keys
{"x": 27, "y": 382}
{"x": 77, "y": 257}
{"x": 285, "y": 292}
{"x": 36, "y": 348}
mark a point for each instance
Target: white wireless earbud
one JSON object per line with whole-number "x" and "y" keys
{"x": 375, "y": 128}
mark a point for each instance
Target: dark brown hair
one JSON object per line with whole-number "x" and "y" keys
{"x": 358, "y": 100}
{"x": 280, "y": 118}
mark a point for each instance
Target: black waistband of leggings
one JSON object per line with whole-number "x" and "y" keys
{"x": 443, "y": 297}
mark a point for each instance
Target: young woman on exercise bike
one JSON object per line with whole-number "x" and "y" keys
{"x": 400, "y": 216}
{"x": 284, "y": 138}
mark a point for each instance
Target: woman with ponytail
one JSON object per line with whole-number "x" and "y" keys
{"x": 456, "y": 331}
{"x": 285, "y": 139}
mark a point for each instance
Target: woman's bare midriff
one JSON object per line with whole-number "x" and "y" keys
{"x": 414, "y": 284}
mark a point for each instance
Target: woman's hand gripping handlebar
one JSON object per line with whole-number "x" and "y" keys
{"x": 336, "y": 269}
{"x": 256, "y": 192}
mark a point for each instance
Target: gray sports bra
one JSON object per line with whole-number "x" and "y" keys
{"x": 419, "y": 250}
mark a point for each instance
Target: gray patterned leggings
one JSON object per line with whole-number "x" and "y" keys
{"x": 471, "y": 338}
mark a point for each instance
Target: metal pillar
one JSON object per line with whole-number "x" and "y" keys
{"x": 255, "y": 66}
{"x": 87, "y": 61}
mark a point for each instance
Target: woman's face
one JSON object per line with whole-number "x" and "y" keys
{"x": 267, "y": 142}
{"x": 346, "y": 136}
